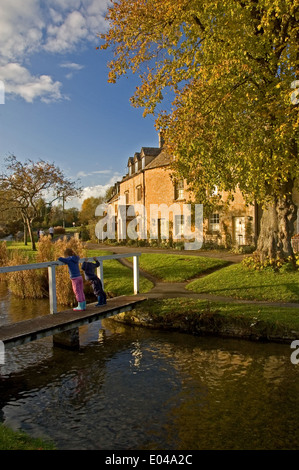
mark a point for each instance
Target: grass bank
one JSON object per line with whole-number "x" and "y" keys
{"x": 201, "y": 317}
{"x": 239, "y": 282}
{"x": 118, "y": 279}
{"x": 178, "y": 268}
{"x": 18, "y": 440}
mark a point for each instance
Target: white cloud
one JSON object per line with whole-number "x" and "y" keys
{"x": 19, "y": 81}
{"x": 72, "y": 66}
{"x": 93, "y": 191}
{"x": 70, "y": 32}
{"x": 56, "y": 26}
{"x": 21, "y": 29}
{"x": 83, "y": 174}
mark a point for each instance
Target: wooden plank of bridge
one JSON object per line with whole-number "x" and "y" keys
{"x": 54, "y": 324}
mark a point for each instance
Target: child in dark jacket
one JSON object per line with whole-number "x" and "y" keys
{"x": 89, "y": 270}
{"x": 72, "y": 261}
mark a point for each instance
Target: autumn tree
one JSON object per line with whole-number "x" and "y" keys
{"x": 228, "y": 69}
{"x": 88, "y": 208}
{"x": 22, "y": 185}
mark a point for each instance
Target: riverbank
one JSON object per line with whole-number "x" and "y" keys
{"x": 228, "y": 300}
{"x": 17, "y": 440}
{"x": 256, "y": 322}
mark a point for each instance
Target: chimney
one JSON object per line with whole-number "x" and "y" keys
{"x": 161, "y": 140}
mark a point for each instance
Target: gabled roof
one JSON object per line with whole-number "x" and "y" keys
{"x": 163, "y": 159}
{"x": 150, "y": 151}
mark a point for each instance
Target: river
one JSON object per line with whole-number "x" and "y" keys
{"x": 131, "y": 388}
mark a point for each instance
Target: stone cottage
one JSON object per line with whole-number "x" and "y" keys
{"x": 149, "y": 181}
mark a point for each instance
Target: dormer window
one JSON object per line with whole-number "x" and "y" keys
{"x": 136, "y": 166}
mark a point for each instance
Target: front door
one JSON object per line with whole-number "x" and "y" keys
{"x": 239, "y": 230}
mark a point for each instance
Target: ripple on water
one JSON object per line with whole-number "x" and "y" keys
{"x": 132, "y": 388}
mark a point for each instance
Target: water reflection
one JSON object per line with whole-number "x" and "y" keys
{"x": 133, "y": 388}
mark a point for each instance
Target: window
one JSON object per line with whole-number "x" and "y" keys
{"x": 178, "y": 226}
{"x": 179, "y": 189}
{"x": 138, "y": 192}
{"x": 127, "y": 197}
{"x": 136, "y": 167}
{"x": 214, "y": 222}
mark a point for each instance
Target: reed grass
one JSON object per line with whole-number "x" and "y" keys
{"x": 26, "y": 284}
{"x": 4, "y": 258}
{"x": 64, "y": 291}
{"x": 34, "y": 283}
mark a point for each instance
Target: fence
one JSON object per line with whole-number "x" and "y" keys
{"x": 51, "y": 265}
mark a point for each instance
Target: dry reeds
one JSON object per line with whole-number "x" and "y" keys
{"x": 34, "y": 283}
{"x": 64, "y": 291}
{"x": 4, "y": 259}
{"x": 28, "y": 283}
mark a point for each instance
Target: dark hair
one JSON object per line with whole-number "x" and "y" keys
{"x": 69, "y": 252}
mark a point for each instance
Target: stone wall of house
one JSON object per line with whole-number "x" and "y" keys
{"x": 236, "y": 224}
{"x": 157, "y": 188}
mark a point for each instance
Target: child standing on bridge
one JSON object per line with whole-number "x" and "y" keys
{"x": 89, "y": 271}
{"x": 72, "y": 261}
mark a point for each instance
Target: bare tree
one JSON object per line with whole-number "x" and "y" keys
{"x": 23, "y": 184}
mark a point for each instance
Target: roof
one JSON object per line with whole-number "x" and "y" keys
{"x": 150, "y": 151}
{"x": 163, "y": 159}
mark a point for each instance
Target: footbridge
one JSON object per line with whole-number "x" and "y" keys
{"x": 64, "y": 325}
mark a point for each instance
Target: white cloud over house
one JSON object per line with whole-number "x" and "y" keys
{"x": 94, "y": 191}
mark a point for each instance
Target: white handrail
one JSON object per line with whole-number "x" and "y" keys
{"x": 51, "y": 265}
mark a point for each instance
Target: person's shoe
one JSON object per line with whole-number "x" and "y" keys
{"x": 101, "y": 301}
{"x": 80, "y": 307}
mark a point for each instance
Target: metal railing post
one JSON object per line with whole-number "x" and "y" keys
{"x": 136, "y": 274}
{"x": 100, "y": 272}
{"x": 52, "y": 289}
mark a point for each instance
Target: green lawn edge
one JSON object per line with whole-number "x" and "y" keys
{"x": 236, "y": 320}
{"x": 19, "y": 440}
{"x": 239, "y": 282}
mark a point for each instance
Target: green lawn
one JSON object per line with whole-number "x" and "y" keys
{"x": 177, "y": 268}
{"x": 241, "y": 283}
{"x": 170, "y": 310}
{"x": 118, "y": 279}
{"x": 11, "y": 440}
{"x": 20, "y": 246}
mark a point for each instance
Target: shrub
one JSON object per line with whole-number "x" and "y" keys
{"x": 4, "y": 258}
{"x": 59, "y": 230}
{"x": 26, "y": 284}
{"x": 274, "y": 264}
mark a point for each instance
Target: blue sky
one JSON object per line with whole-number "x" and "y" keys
{"x": 58, "y": 105}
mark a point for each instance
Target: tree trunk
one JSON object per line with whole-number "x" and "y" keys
{"x": 25, "y": 234}
{"x": 31, "y": 235}
{"x": 277, "y": 227}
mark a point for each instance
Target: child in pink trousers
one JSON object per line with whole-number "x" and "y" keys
{"x": 72, "y": 261}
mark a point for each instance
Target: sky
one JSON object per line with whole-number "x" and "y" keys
{"x": 57, "y": 105}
